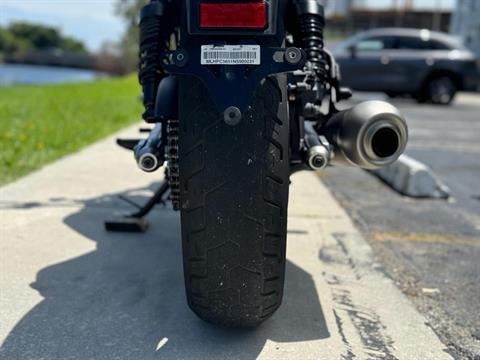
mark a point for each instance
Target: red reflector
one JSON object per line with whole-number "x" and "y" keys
{"x": 245, "y": 15}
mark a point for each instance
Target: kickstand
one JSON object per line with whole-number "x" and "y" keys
{"x": 136, "y": 222}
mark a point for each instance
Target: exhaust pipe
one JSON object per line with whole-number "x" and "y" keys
{"x": 370, "y": 135}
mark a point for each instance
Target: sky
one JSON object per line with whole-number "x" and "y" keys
{"x": 94, "y": 21}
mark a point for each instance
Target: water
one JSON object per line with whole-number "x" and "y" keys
{"x": 36, "y": 75}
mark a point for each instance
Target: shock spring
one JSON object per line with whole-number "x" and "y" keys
{"x": 312, "y": 26}
{"x": 152, "y": 43}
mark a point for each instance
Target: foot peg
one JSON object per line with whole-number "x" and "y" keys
{"x": 128, "y": 144}
{"x": 319, "y": 152}
{"x": 150, "y": 153}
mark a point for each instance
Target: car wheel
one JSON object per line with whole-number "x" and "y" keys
{"x": 441, "y": 90}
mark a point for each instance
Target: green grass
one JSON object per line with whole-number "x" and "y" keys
{"x": 39, "y": 124}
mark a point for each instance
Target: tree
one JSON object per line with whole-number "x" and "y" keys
{"x": 129, "y": 10}
{"x": 72, "y": 45}
{"x": 39, "y": 36}
{"x": 8, "y": 43}
{"x": 20, "y": 36}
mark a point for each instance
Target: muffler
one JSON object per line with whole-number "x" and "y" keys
{"x": 370, "y": 135}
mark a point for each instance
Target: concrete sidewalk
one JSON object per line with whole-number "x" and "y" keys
{"x": 69, "y": 290}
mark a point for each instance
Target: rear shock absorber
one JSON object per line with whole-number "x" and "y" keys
{"x": 312, "y": 22}
{"x": 153, "y": 38}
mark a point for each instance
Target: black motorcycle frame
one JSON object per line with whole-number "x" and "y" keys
{"x": 313, "y": 89}
{"x": 370, "y": 135}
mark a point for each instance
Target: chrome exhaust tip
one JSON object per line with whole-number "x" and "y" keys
{"x": 383, "y": 143}
{"x": 370, "y": 135}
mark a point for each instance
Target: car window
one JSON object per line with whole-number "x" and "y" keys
{"x": 437, "y": 45}
{"x": 414, "y": 43}
{"x": 347, "y": 44}
{"x": 375, "y": 43}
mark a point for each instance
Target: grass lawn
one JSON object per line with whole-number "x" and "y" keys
{"x": 39, "y": 124}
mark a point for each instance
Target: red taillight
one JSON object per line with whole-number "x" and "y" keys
{"x": 245, "y": 15}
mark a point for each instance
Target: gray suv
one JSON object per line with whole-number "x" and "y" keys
{"x": 427, "y": 65}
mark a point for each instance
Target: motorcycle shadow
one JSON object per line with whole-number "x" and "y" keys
{"x": 126, "y": 300}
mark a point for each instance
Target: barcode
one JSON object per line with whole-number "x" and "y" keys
{"x": 230, "y": 55}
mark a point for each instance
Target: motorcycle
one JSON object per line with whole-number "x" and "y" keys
{"x": 243, "y": 94}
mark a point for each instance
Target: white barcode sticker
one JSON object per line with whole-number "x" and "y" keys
{"x": 231, "y": 55}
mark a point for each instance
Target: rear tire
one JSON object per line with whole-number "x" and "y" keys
{"x": 439, "y": 90}
{"x": 392, "y": 95}
{"x": 234, "y": 199}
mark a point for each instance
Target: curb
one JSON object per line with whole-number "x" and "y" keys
{"x": 414, "y": 179}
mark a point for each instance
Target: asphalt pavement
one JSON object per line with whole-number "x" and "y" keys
{"x": 431, "y": 248}
{"x": 70, "y": 290}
